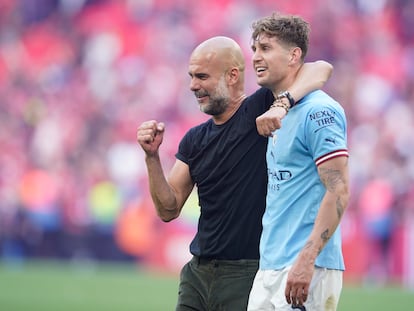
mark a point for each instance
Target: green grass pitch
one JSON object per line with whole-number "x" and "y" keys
{"x": 47, "y": 286}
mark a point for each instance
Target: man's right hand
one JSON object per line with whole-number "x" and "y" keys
{"x": 150, "y": 135}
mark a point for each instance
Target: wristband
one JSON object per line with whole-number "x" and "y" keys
{"x": 288, "y": 96}
{"x": 279, "y": 103}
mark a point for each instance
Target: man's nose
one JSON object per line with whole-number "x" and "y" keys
{"x": 194, "y": 85}
{"x": 256, "y": 56}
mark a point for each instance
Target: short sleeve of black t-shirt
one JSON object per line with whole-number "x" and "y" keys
{"x": 227, "y": 162}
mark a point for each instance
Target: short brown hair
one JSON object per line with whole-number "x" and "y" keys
{"x": 288, "y": 29}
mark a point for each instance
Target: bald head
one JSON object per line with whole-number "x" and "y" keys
{"x": 222, "y": 51}
{"x": 216, "y": 69}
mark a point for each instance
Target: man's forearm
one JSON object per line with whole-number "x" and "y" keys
{"x": 161, "y": 192}
{"x": 325, "y": 225}
{"x": 311, "y": 77}
{"x": 334, "y": 176}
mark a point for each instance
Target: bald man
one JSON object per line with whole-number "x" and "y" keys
{"x": 225, "y": 158}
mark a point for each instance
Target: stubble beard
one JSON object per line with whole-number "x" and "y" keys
{"x": 219, "y": 101}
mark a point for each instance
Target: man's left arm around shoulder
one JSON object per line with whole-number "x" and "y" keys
{"x": 311, "y": 76}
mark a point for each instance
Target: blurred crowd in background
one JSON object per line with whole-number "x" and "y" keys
{"x": 77, "y": 77}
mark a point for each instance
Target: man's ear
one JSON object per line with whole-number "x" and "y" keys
{"x": 233, "y": 75}
{"x": 295, "y": 55}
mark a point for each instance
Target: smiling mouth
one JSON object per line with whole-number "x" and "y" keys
{"x": 260, "y": 70}
{"x": 202, "y": 98}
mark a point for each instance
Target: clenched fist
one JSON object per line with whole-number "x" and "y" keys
{"x": 270, "y": 121}
{"x": 150, "y": 135}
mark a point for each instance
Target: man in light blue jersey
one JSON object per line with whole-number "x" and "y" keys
{"x": 301, "y": 262}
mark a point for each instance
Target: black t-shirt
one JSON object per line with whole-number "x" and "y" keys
{"x": 228, "y": 164}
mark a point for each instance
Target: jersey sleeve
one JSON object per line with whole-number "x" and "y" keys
{"x": 326, "y": 132}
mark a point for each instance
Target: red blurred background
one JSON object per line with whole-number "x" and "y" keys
{"x": 77, "y": 77}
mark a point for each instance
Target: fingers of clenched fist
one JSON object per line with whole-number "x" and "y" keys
{"x": 270, "y": 121}
{"x": 266, "y": 125}
{"x": 149, "y": 130}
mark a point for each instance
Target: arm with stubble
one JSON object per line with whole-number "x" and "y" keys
{"x": 311, "y": 76}
{"x": 168, "y": 194}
